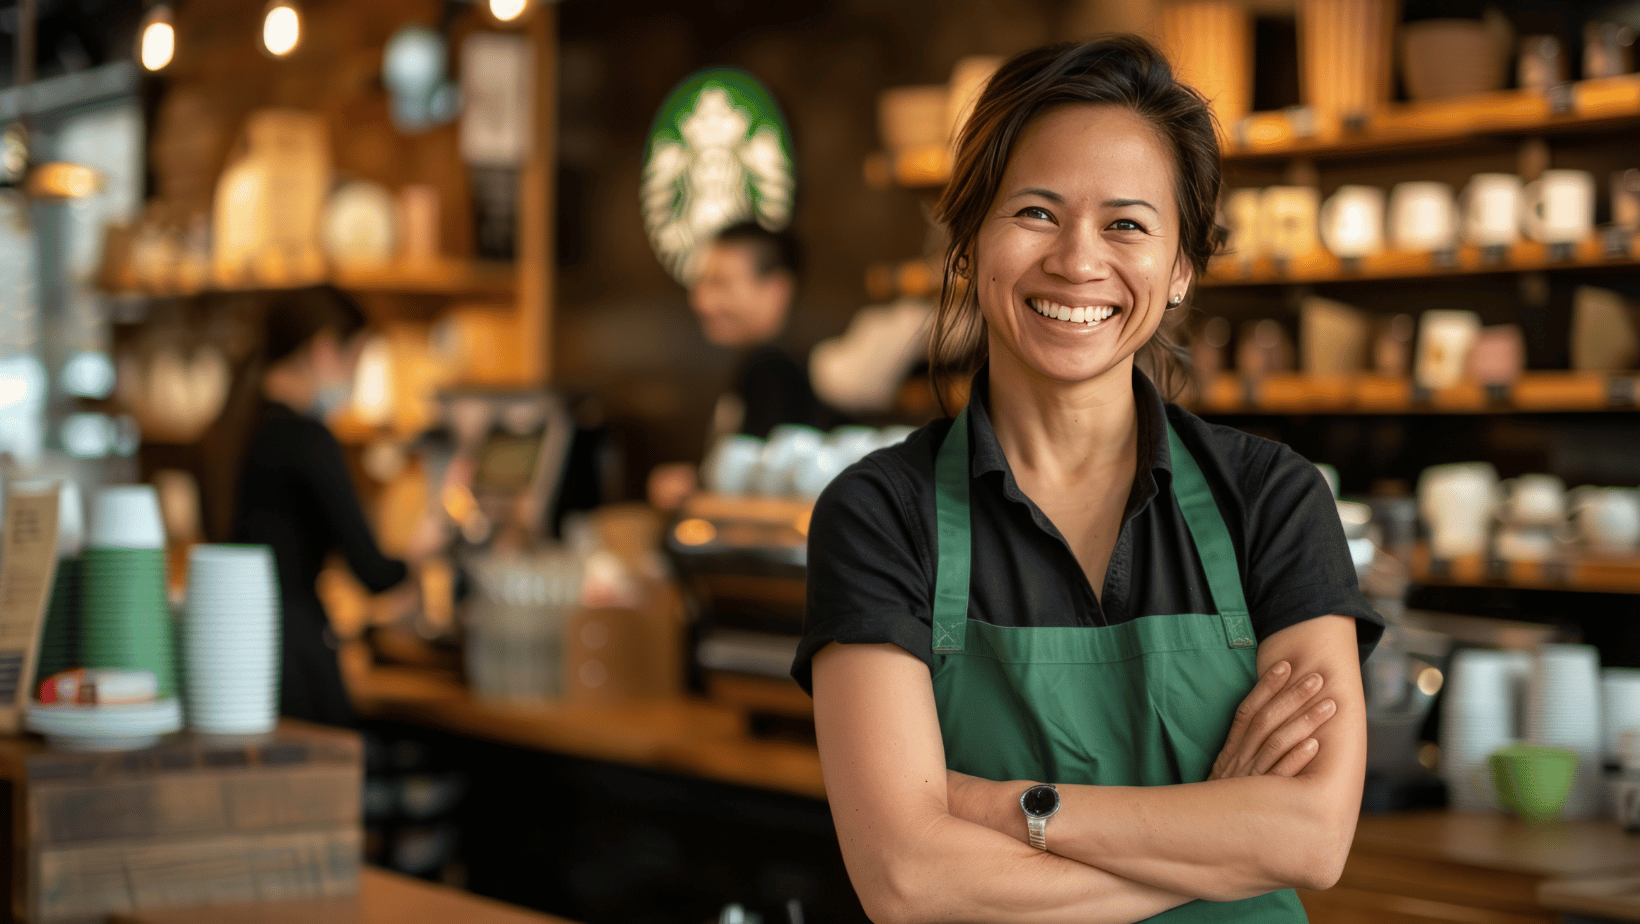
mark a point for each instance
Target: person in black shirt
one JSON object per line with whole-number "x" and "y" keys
{"x": 1076, "y": 654}
{"x": 743, "y": 298}
{"x": 296, "y": 495}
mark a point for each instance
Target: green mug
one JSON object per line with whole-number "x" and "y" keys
{"x": 1534, "y": 780}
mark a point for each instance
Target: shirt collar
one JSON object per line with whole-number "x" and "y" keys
{"x": 1153, "y": 444}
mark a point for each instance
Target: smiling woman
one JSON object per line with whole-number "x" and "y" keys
{"x": 1077, "y": 655}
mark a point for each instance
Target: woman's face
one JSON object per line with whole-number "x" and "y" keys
{"x": 1079, "y": 254}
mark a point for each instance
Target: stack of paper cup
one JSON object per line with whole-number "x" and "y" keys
{"x": 125, "y": 619}
{"x": 60, "y": 636}
{"x": 230, "y": 640}
{"x": 1478, "y": 716}
{"x": 1620, "y": 707}
{"x": 1563, "y": 710}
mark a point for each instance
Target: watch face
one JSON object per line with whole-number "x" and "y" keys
{"x": 1040, "y": 801}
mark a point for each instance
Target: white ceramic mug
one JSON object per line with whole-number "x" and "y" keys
{"x": 1352, "y": 221}
{"x": 1457, "y": 501}
{"x": 1445, "y": 338}
{"x": 1558, "y": 207}
{"x": 1534, "y": 500}
{"x": 1241, "y": 211}
{"x": 1423, "y": 217}
{"x": 728, "y": 468}
{"x": 1607, "y": 519}
{"x": 1491, "y": 209}
{"x": 1287, "y": 221}
{"x": 788, "y": 445}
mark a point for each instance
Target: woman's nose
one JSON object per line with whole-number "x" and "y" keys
{"x": 1079, "y": 254}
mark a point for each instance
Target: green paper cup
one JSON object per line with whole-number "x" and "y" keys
{"x": 1534, "y": 780}
{"x": 59, "y": 637}
{"x": 125, "y": 619}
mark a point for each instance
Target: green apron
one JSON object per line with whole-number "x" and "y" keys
{"x": 1143, "y": 703}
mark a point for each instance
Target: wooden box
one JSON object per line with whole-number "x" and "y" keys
{"x": 192, "y": 821}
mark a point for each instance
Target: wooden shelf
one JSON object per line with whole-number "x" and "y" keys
{"x": 1581, "y": 106}
{"x": 1534, "y": 392}
{"x": 453, "y": 279}
{"x": 1588, "y": 573}
{"x": 1587, "y": 105}
{"x": 1319, "y": 266}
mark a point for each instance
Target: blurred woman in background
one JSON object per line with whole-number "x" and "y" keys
{"x": 296, "y": 495}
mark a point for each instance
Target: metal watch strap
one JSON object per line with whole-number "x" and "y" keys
{"x": 1038, "y": 830}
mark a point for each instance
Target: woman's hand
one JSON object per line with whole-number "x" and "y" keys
{"x": 1271, "y": 731}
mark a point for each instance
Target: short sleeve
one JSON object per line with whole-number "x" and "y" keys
{"x": 1299, "y": 563}
{"x": 869, "y": 571}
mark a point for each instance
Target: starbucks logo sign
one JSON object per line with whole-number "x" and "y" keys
{"x": 718, "y": 153}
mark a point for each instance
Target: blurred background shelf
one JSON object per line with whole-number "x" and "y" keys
{"x": 1322, "y": 267}
{"x": 1534, "y": 392}
{"x": 447, "y": 278}
{"x": 1585, "y": 573}
{"x": 905, "y": 279}
{"x": 1584, "y": 106}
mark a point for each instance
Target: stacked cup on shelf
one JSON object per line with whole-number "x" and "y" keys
{"x": 1620, "y": 707}
{"x": 125, "y": 619}
{"x": 60, "y": 636}
{"x": 231, "y": 638}
{"x": 795, "y": 461}
{"x": 1478, "y": 716}
{"x": 1563, "y": 710}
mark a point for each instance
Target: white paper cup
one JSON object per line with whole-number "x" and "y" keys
{"x": 127, "y": 517}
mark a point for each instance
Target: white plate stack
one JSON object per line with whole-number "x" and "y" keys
{"x": 230, "y": 640}
{"x": 1478, "y": 716}
{"x": 1620, "y": 706}
{"x": 1563, "y": 710}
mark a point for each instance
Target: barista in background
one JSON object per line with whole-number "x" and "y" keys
{"x": 743, "y": 297}
{"x": 297, "y": 497}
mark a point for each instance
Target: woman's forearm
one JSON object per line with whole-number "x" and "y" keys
{"x": 1221, "y": 840}
{"x": 960, "y": 871}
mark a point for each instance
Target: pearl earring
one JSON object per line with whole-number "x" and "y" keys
{"x": 1175, "y": 301}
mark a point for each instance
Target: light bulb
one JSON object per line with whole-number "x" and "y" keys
{"x": 507, "y": 10}
{"x": 158, "y": 40}
{"x": 281, "y": 29}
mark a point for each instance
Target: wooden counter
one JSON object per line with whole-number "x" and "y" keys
{"x": 686, "y": 736}
{"x": 1404, "y": 868}
{"x": 383, "y": 898}
{"x": 1422, "y": 867}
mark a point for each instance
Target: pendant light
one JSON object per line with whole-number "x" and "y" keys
{"x": 281, "y": 28}
{"x": 157, "y": 39}
{"x": 508, "y": 10}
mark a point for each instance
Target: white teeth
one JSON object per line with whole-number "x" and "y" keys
{"x": 1088, "y": 315}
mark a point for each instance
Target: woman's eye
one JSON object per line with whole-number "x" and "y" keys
{"x": 1036, "y": 212}
{"x": 1127, "y": 224}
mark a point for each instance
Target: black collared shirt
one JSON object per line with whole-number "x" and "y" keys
{"x": 872, "y": 548}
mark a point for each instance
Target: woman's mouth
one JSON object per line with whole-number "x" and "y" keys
{"x": 1090, "y": 315}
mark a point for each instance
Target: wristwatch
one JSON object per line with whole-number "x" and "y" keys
{"x": 1039, "y": 803}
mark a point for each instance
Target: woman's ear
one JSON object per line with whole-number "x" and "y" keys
{"x": 1179, "y": 285}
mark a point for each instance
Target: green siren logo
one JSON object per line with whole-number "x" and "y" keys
{"x": 718, "y": 153}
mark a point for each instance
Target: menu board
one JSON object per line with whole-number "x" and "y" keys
{"x": 28, "y": 566}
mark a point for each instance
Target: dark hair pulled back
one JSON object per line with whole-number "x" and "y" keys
{"x": 1120, "y": 70}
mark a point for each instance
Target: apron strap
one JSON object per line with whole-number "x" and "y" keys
{"x": 1213, "y": 545}
{"x": 951, "y": 477}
